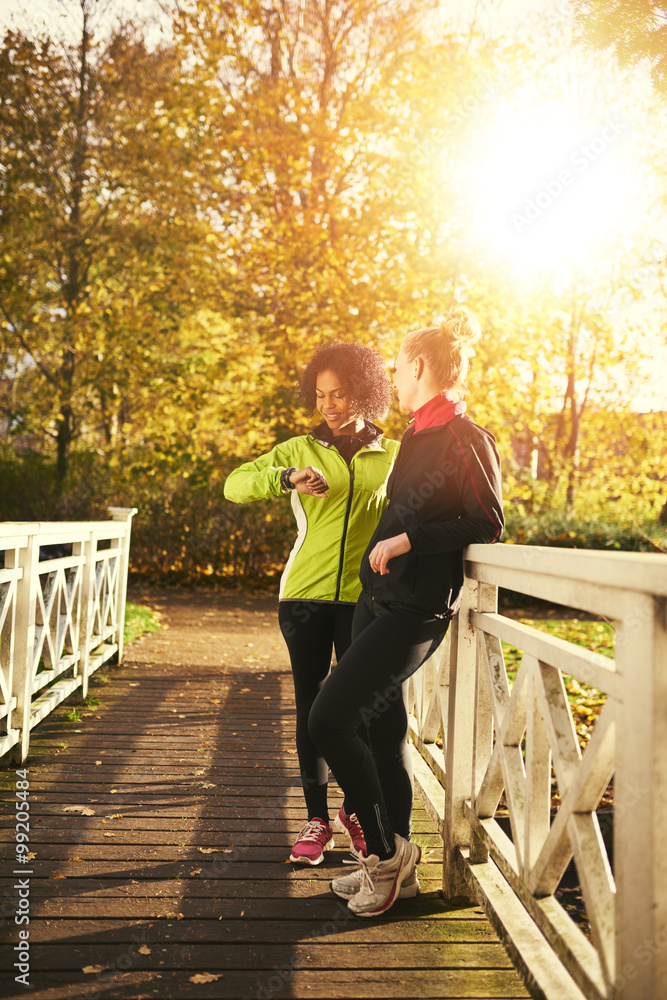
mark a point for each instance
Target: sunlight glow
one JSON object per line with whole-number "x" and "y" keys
{"x": 550, "y": 192}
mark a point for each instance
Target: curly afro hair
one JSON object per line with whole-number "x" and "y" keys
{"x": 362, "y": 372}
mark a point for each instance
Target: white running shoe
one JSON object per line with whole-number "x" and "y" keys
{"x": 381, "y": 881}
{"x": 348, "y": 886}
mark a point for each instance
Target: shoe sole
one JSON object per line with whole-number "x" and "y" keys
{"x": 302, "y": 860}
{"x": 406, "y": 891}
{"x": 387, "y": 905}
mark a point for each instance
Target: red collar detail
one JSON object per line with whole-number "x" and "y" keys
{"x": 439, "y": 410}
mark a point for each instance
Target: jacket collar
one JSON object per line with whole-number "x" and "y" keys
{"x": 438, "y": 411}
{"x": 370, "y": 436}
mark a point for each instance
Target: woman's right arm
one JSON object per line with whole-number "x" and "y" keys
{"x": 260, "y": 479}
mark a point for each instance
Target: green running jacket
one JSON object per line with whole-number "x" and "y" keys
{"x": 332, "y": 532}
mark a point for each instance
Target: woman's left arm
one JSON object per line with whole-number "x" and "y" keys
{"x": 477, "y": 472}
{"x": 479, "y": 485}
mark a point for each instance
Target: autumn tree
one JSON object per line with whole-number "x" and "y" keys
{"x": 342, "y": 207}
{"x": 635, "y": 30}
{"x": 102, "y": 234}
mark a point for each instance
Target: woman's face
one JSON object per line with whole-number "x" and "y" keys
{"x": 332, "y": 402}
{"x": 404, "y": 382}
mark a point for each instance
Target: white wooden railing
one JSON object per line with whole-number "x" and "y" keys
{"x": 499, "y": 739}
{"x": 60, "y": 618}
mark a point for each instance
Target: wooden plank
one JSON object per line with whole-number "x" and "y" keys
{"x": 179, "y": 774}
{"x": 642, "y": 572}
{"x": 303, "y": 907}
{"x": 264, "y": 931}
{"x": 212, "y": 867}
{"x": 46, "y": 828}
{"x": 411, "y": 984}
{"x": 255, "y": 954}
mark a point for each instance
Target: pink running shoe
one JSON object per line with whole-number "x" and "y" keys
{"x": 349, "y": 824}
{"x": 315, "y": 838}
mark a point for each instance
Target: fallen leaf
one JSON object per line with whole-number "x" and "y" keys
{"x": 205, "y": 977}
{"x": 106, "y": 834}
{"x": 31, "y": 855}
{"x": 209, "y": 850}
{"x": 83, "y": 810}
{"x": 113, "y": 791}
{"x": 144, "y": 950}
{"x": 133, "y": 684}
{"x": 53, "y": 877}
{"x": 196, "y": 871}
{"x": 98, "y": 762}
{"x": 90, "y": 970}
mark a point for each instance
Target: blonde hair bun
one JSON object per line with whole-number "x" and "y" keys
{"x": 459, "y": 326}
{"x": 446, "y": 347}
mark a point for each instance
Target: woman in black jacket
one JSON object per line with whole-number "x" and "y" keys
{"x": 443, "y": 494}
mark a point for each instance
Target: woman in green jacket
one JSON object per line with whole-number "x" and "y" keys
{"x": 336, "y": 476}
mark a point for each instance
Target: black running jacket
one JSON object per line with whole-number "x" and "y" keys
{"x": 445, "y": 492}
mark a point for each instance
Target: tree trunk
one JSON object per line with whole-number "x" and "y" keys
{"x": 64, "y": 440}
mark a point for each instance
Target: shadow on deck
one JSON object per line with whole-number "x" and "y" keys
{"x": 160, "y": 827}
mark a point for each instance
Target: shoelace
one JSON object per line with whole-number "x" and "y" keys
{"x": 313, "y": 831}
{"x": 371, "y": 877}
{"x": 356, "y": 859}
{"x": 367, "y": 882}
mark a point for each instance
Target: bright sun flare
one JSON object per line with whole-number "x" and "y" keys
{"x": 551, "y": 192}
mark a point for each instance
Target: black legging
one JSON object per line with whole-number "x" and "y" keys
{"x": 312, "y": 630}
{"x": 367, "y": 686}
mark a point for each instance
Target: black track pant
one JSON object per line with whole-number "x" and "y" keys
{"x": 312, "y": 629}
{"x": 367, "y": 686}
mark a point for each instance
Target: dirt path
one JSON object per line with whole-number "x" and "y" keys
{"x": 211, "y": 628}
{"x": 227, "y": 629}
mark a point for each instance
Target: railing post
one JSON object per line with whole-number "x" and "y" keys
{"x": 482, "y": 747}
{"x": 24, "y": 647}
{"x": 460, "y": 730}
{"x": 640, "y": 803}
{"x": 87, "y": 601}
{"x": 123, "y": 514}
{"x": 10, "y": 736}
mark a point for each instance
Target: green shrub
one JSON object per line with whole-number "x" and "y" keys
{"x": 572, "y": 532}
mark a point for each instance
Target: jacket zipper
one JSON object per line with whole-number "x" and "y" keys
{"x": 345, "y": 524}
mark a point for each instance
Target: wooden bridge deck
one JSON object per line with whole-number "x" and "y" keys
{"x": 160, "y": 826}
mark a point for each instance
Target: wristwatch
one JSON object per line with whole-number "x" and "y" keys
{"x": 285, "y": 481}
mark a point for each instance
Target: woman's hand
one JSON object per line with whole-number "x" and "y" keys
{"x": 386, "y": 550}
{"x": 310, "y": 481}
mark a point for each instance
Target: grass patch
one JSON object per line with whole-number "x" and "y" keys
{"x": 140, "y": 620}
{"x": 585, "y": 702}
